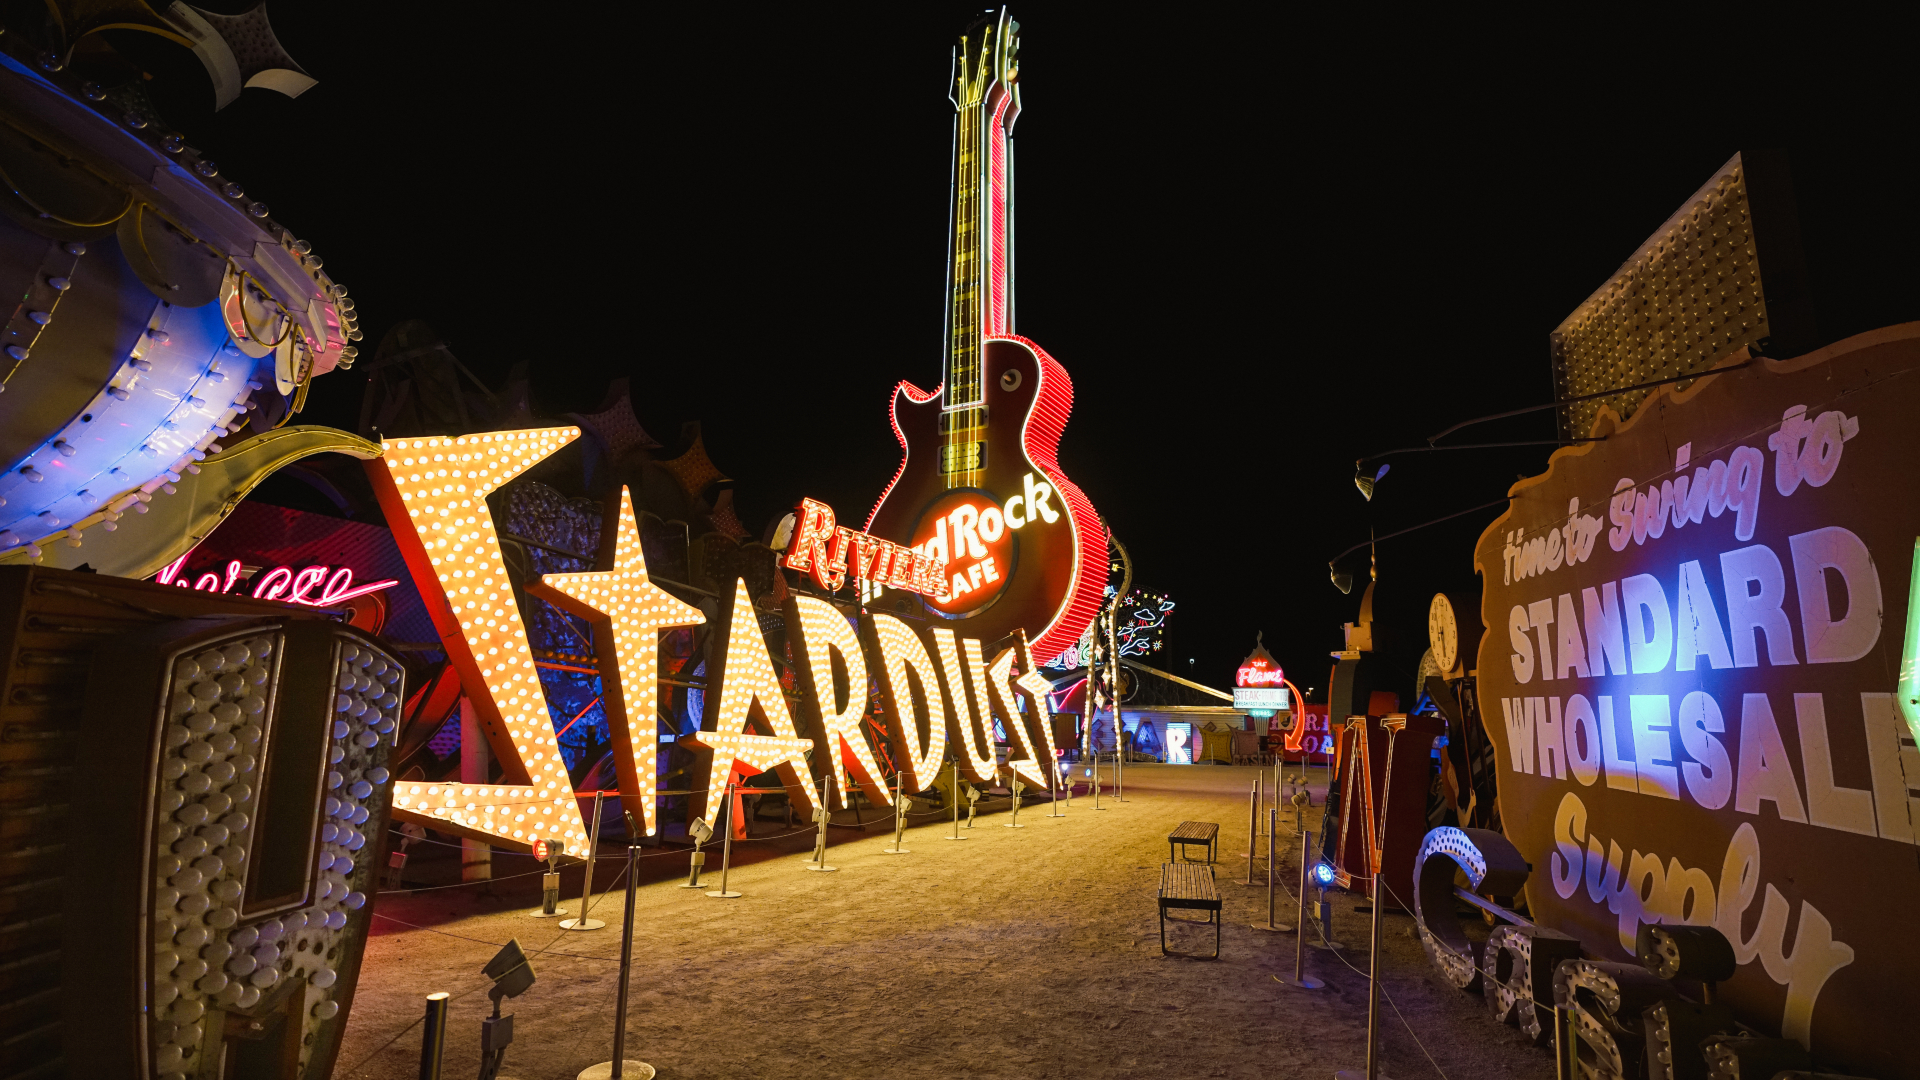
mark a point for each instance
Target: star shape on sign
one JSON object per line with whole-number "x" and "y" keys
{"x": 748, "y": 687}
{"x": 628, "y": 612}
{"x": 434, "y": 492}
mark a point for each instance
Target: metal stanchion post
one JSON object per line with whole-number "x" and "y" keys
{"x": 1253, "y": 830}
{"x": 956, "y": 806}
{"x": 1300, "y": 977}
{"x": 1053, "y": 797}
{"x": 621, "y": 1068}
{"x": 899, "y": 819}
{"x": 1564, "y": 1065}
{"x": 726, "y": 852}
{"x": 586, "y": 883}
{"x": 1273, "y": 824}
{"x": 821, "y": 816}
{"x": 433, "y": 1037}
{"x": 1015, "y": 823}
{"x": 1373, "y": 998}
{"x": 1093, "y": 771}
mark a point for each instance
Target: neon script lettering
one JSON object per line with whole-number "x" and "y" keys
{"x": 312, "y": 586}
{"x": 831, "y": 552}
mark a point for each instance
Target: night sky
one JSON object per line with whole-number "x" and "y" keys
{"x": 1260, "y": 249}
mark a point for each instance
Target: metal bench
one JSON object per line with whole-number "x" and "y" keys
{"x": 1204, "y": 833}
{"x": 1189, "y": 885}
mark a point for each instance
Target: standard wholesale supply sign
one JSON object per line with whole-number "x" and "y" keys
{"x": 1697, "y": 633}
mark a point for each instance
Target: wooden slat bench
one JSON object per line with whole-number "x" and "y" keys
{"x": 1189, "y": 885}
{"x": 1204, "y": 833}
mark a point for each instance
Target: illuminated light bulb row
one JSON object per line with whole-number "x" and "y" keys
{"x": 820, "y": 631}
{"x": 1027, "y": 753}
{"x": 636, "y": 610}
{"x": 967, "y": 711}
{"x": 205, "y": 958}
{"x": 901, "y": 650}
{"x": 746, "y": 677}
{"x": 442, "y": 484}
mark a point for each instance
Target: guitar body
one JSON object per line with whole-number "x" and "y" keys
{"x": 1042, "y": 567}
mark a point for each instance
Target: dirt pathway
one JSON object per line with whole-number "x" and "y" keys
{"x": 1026, "y": 953}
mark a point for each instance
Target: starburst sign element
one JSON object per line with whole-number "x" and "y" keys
{"x": 434, "y": 491}
{"x": 628, "y": 611}
{"x": 749, "y": 691}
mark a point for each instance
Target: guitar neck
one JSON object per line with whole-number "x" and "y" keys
{"x": 979, "y": 286}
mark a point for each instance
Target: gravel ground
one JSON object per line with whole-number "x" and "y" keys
{"x": 1020, "y": 953}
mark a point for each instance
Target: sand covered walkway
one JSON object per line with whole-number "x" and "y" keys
{"x": 1029, "y": 952}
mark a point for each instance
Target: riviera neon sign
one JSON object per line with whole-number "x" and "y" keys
{"x": 283, "y": 583}
{"x": 830, "y": 552}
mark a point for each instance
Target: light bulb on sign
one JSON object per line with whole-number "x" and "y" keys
{"x": 1025, "y": 752}
{"x": 818, "y": 631}
{"x": 630, "y": 610}
{"x": 434, "y": 492}
{"x": 973, "y": 747}
{"x": 900, "y": 651}
{"x": 745, "y": 677}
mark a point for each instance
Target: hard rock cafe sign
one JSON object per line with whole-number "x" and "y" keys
{"x": 1702, "y": 678}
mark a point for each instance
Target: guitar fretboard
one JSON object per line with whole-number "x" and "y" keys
{"x": 964, "y": 318}
{"x": 978, "y": 295}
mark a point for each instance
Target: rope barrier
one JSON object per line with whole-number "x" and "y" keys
{"x": 483, "y": 941}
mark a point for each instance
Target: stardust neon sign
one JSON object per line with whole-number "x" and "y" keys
{"x": 313, "y": 586}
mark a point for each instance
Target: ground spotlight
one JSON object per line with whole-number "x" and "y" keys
{"x": 1323, "y": 873}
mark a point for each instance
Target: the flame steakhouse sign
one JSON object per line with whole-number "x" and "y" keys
{"x": 1695, "y": 637}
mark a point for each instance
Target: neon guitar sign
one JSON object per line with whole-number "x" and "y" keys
{"x": 979, "y": 489}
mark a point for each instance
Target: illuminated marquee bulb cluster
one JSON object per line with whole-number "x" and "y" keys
{"x": 901, "y": 651}
{"x": 746, "y": 678}
{"x": 1025, "y": 750}
{"x": 818, "y": 631}
{"x": 635, "y": 610}
{"x": 440, "y": 485}
{"x": 206, "y": 956}
{"x": 967, "y": 711}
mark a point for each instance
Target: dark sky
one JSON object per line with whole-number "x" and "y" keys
{"x": 1262, "y": 249}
